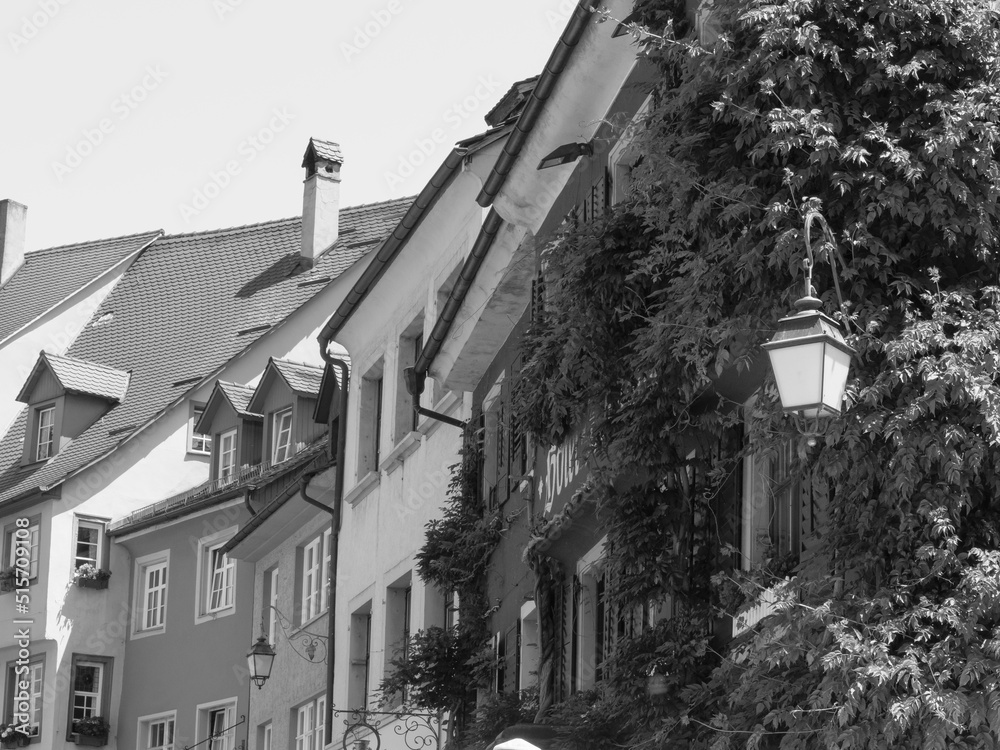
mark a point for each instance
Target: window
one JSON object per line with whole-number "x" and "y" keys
{"x": 496, "y": 444}
{"x": 398, "y": 599}
{"x": 360, "y": 652}
{"x": 314, "y": 577}
{"x": 264, "y": 733}
{"x": 45, "y": 441}
{"x": 33, "y": 684}
{"x": 17, "y": 537}
{"x": 309, "y": 725}
{"x": 157, "y": 732}
{"x": 370, "y": 437}
{"x": 216, "y": 725}
{"x": 227, "y": 455}
{"x": 782, "y": 507}
{"x": 90, "y": 683}
{"x": 216, "y": 586}
{"x": 151, "y": 594}
{"x": 411, "y": 342}
{"x": 198, "y": 442}
{"x": 271, "y": 598}
{"x": 282, "y": 436}
{"x": 89, "y": 543}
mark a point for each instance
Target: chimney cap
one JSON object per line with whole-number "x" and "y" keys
{"x": 318, "y": 150}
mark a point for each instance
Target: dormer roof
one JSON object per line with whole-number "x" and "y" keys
{"x": 302, "y": 380}
{"x": 237, "y": 396}
{"x": 329, "y": 387}
{"x": 78, "y": 376}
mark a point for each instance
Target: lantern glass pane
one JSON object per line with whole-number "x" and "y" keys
{"x": 835, "y": 370}
{"x": 798, "y": 372}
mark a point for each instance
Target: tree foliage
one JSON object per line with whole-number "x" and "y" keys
{"x": 883, "y": 115}
{"x": 443, "y": 666}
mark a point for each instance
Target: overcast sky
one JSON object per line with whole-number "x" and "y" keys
{"x": 121, "y": 116}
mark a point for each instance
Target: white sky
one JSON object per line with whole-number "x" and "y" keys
{"x": 380, "y": 77}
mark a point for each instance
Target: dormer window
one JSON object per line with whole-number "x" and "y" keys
{"x": 282, "y": 436}
{"x": 46, "y": 420}
{"x": 227, "y": 454}
{"x": 231, "y": 432}
{"x": 65, "y": 396}
{"x": 287, "y": 396}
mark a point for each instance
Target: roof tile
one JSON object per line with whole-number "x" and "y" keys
{"x": 50, "y": 276}
{"x": 177, "y": 314}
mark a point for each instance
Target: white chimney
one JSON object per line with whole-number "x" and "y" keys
{"x": 320, "y": 199}
{"x": 13, "y": 220}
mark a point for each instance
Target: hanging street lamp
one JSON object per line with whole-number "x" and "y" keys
{"x": 260, "y": 659}
{"x": 809, "y": 356}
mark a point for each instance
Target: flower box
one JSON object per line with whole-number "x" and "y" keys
{"x": 92, "y": 583}
{"x": 95, "y": 740}
{"x": 17, "y": 739}
{"x": 89, "y": 577}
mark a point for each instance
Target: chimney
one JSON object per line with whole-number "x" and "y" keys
{"x": 320, "y": 199}
{"x": 13, "y": 219}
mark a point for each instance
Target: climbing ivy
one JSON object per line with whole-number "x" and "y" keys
{"x": 884, "y": 115}
{"x": 443, "y": 666}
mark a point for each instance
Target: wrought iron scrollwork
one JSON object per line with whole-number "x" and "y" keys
{"x": 362, "y": 728}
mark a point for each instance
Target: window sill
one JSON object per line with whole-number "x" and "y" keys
{"x": 297, "y": 629}
{"x": 137, "y": 634}
{"x": 406, "y": 446}
{"x": 193, "y": 452}
{"x": 210, "y": 616}
{"x": 363, "y": 487}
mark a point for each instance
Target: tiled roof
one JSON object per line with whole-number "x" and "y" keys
{"x": 239, "y": 397}
{"x": 48, "y": 277}
{"x": 303, "y": 379}
{"x": 187, "y": 306}
{"x": 324, "y": 150}
{"x": 79, "y": 376}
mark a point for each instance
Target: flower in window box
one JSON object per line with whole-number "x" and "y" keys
{"x": 91, "y": 731}
{"x": 8, "y": 581}
{"x": 12, "y": 736}
{"x": 89, "y": 577}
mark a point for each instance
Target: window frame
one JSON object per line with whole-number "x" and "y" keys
{"x": 140, "y": 599}
{"x": 105, "y": 664}
{"x": 36, "y": 700}
{"x": 313, "y": 577}
{"x": 208, "y": 549}
{"x": 197, "y": 410}
{"x": 223, "y": 453}
{"x": 311, "y": 737}
{"x": 51, "y": 447}
{"x": 203, "y": 728}
{"x": 144, "y": 726}
{"x": 101, "y": 526}
{"x": 276, "y": 432}
{"x": 34, "y": 528}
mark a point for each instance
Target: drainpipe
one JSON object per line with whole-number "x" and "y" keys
{"x": 416, "y": 375}
{"x": 334, "y": 511}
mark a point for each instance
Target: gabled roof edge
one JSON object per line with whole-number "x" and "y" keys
{"x": 547, "y": 80}
{"x": 105, "y": 272}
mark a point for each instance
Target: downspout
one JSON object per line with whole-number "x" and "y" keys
{"x": 416, "y": 375}
{"x": 334, "y": 511}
